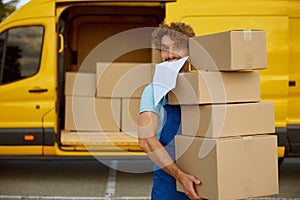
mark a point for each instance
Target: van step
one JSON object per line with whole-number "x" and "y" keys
{"x": 99, "y": 140}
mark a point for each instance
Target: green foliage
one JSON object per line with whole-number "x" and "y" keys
{"x": 7, "y": 8}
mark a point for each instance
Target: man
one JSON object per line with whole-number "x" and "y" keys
{"x": 159, "y": 124}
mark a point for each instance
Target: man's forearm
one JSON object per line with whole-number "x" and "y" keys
{"x": 160, "y": 156}
{"x": 148, "y": 125}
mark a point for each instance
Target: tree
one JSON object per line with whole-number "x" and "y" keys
{"x": 7, "y": 8}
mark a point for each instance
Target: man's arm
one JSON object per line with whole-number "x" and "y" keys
{"x": 148, "y": 126}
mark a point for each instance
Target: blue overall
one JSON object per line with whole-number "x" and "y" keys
{"x": 164, "y": 185}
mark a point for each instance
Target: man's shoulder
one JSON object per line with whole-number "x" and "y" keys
{"x": 148, "y": 89}
{"x": 149, "y": 86}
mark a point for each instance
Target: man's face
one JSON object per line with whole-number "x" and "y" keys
{"x": 172, "y": 50}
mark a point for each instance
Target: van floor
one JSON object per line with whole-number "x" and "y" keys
{"x": 100, "y": 141}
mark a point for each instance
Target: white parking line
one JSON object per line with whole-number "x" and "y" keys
{"x": 111, "y": 181}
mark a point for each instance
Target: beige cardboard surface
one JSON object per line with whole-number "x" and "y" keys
{"x": 110, "y": 141}
{"x": 230, "y": 168}
{"x": 92, "y": 114}
{"x": 225, "y": 120}
{"x": 229, "y": 51}
{"x": 81, "y": 137}
{"x": 80, "y": 84}
{"x": 156, "y": 56}
{"x": 122, "y": 80}
{"x": 90, "y": 33}
{"x": 216, "y": 87}
{"x": 130, "y": 113}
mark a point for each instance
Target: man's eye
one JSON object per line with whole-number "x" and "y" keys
{"x": 164, "y": 48}
{"x": 176, "y": 47}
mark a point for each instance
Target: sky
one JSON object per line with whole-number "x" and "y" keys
{"x": 21, "y": 3}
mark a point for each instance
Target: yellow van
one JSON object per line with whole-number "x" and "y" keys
{"x": 45, "y": 39}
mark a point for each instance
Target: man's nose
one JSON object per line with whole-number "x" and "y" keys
{"x": 172, "y": 54}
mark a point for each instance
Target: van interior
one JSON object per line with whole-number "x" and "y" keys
{"x": 82, "y": 28}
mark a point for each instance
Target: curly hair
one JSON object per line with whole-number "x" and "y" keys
{"x": 176, "y": 30}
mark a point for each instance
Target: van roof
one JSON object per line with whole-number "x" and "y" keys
{"x": 46, "y": 8}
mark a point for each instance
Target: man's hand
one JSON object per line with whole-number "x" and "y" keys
{"x": 188, "y": 183}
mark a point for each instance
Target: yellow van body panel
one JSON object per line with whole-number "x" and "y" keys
{"x": 59, "y": 152}
{"x": 56, "y": 151}
{"x": 32, "y": 10}
{"x": 21, "y": 150}
{"x": 280, "y": 82}
{"x": 27, "y": 111}
{"x": 274, "y": 17}
{"x": 47, "y": 8}
{"x": 294, "y": 91}
{"x": 39, "y": 112}
{"x": 281, "y": 151}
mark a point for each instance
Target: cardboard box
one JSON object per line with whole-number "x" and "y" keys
{"x": 216, "y": 87}
{"x": 229, "y": 51}
{"x": 80, "y": 84}
{"x": 156, "y": 56}
{"x": 122, "y": 80}
{"x": 92, "y": 114}
{"x": 130, "y": 113}
{"x": 226, "y": 120}
{"x": 230, "y": 168}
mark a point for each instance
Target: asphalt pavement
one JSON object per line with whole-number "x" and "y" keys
{"x": 93, "y": 180}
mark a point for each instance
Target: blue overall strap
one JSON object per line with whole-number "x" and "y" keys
{"x": 172, "y": 127}
{"x": 164, "y": 185}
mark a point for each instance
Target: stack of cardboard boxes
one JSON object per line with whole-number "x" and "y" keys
{"x": 103, "y": 107}
{"x": 226, "y": 140}
{"x": 124, "y": 81}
